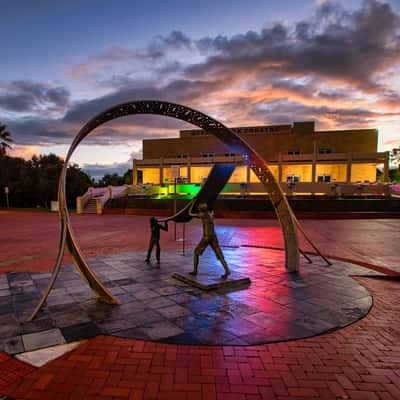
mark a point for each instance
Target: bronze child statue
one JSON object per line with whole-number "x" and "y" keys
{"x": 209, "y": 238}
{"x": 155, "y": 238}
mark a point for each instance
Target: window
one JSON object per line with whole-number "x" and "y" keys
{"x": 230, "y": 154}
{"x": 293, "y": 152}
{"x": 324, "y": 150}
{"x": 207, "y": 155}
{"x": 324, "y": 178}
{"x": 292, "y": 178}
{"x": 182, "y": 156}
{"x": 182, "y": 179}
{"x": 139, "y": 176}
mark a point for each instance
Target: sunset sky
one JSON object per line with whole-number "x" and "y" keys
{"x": 242, "y": 62}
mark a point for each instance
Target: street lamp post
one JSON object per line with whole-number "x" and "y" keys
{"x": 175, "y": 175}
{"x": 6, "y": 191}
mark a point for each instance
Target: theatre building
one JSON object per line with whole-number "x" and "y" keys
{"x": 297, "y": 154}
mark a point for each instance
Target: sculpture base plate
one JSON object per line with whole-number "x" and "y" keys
{"x": 207, "y": 281}
{"x": 277, "y": 306}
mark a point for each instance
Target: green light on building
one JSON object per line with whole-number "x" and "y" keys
{"x": 185, "y": 191}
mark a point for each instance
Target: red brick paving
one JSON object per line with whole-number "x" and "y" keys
{"x": 361, "y": 361}
{"x": 12, "y": 370}
{"x": 32, "y": 237}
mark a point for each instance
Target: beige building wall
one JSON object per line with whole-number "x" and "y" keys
{"x": 363, "y": 172}
{"x": 193, "y": 146}
{"x": 277, "y": 144}
{"x": 198, "y": 173}
{"x": 348, "y": 141}
{"x": 303, "y": 171}
{"x": 167, "y": 173}
{"x": 274, "y": 170}
{"x": 337, "y": 172}
{"x": 239, "y": 175}
{"x": 270, "y": 144}
{"x": 151, "y": 175}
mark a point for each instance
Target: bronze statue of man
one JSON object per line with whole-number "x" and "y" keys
{"x": 155, "y": 238}
{"x": 209, "y": 238}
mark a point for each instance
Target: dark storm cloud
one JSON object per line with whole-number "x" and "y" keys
{"x": 351, "y": 46}
{"x": 282, "y": 111}
{"x": 48, "y": 132}
{"x": 38, "y": 131}
{"x": 175, "y": 40}
{"x": 25, "y": 96}
{"x": 333, "y": 43}
{"x": 180, "y": 90}
{"x": 161, "y": 45}
{"x": 17, "y": 102}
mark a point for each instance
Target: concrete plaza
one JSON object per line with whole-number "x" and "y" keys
{"x": 359, "y": 361}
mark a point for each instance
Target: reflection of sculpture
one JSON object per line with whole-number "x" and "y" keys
{"x": 155, "y": 238}
{"x": 209, "y": 238}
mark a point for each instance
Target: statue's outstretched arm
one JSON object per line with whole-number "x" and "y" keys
{"x": 191, "y": 213}
{"x": 164, "y": 227}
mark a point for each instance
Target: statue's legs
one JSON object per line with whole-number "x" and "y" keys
{"x": 198, "y": 251}
{"x": 196, "y": 264}
{"x": 153, "y": 241}
{"x": 218, "y": 252}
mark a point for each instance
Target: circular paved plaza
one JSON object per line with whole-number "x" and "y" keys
{"x": 276, "y": 306}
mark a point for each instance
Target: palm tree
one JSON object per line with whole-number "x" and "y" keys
{"x": 5, "y": 140}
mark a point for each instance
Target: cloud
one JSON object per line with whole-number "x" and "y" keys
{"x": 36, "y": 131}
{"x": 180, "y": 90}
{"x": 335, "y": 44}
{"x": 284, "y": 111}
{"x": 97, "y": 171}
{"x": 25, "y": 152}
{"x": 160, "y": 45}
{"x": 26, "y": 96}
{"x": 132, "y": 61}
{"x": 337, "y": 67}
{"x": 49, "y": 132}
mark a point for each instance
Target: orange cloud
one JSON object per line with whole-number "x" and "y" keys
{"x": 25, "y": 152}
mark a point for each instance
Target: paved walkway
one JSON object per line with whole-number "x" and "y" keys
{"x": 361, "y": 361}
{"x": 31, "y": 238}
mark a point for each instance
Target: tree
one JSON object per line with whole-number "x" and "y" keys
{"x": 5, "y": 140}
{"x": 77, "y": 184}
{"x": 35, "y": 182}
{"x": 395, "y": 157}
{"x": 394, "y": 175}
{"x": 111, "y": 180}
{"x": 128, "y": 177}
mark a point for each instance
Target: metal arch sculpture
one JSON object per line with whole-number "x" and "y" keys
{"x": 284, "y": 213}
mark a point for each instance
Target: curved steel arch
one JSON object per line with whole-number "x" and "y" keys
{"x": 284, "y": 213}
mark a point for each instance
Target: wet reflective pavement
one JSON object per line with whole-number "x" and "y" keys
{"x": 360, "y": 361}
{"x": 276, "y": 306}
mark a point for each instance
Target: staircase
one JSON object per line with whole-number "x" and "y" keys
{"x": 91, "y": 207}
{"x": 95, "y": 199}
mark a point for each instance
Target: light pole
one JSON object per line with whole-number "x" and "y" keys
{"x": 175, "y": 172}
{"x": 6, "y": 191}
{"x": 175, "y": 207}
